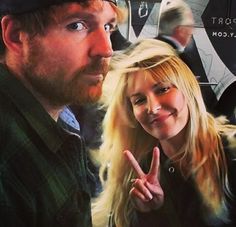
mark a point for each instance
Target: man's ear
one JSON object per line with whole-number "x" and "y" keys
{"x": 11, "y": 34}
{"x": 181, "y": 34}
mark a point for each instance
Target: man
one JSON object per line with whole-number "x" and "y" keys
{"x": 53, "y": 53}
{"x": 176, "y": 26}
{"x": 175, "y": 23}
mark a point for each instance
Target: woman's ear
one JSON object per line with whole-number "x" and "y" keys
{"x": 11, "y": 34}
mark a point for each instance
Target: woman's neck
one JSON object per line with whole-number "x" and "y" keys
{"x": 172, "y": 146}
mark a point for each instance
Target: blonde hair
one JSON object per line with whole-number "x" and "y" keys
{"x": 204, "y": 161}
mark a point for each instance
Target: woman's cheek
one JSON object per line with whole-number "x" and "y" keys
{"x": 178, "y": 101}
{"x": 139, "y": 114}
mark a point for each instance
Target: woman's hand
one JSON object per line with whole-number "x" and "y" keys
{"x": 146, "y": 192}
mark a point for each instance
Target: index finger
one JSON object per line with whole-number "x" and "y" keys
{"x": 134, "y": 163}
{"x": 153, "y": 172}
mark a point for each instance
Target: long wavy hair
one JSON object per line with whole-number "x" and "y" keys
{"x": 204, "y": 161}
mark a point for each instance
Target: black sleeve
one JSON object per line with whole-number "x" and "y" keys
{"x": 231, "y": 161}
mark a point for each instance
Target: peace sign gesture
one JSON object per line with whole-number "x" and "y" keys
{"x": 146, "y": 192}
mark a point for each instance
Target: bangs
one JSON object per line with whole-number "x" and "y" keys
{"x": 172, "y": 70}
{"x": 175, "y": 71}
{"x": 164, "y": 73}
{"x": 161, "y": 70}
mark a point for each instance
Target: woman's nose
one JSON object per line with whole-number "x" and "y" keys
{"x": 154, "y": 106}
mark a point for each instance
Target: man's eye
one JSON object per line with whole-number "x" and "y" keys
{"x": 79, "y": 26}
{"x": 109, "y": 27}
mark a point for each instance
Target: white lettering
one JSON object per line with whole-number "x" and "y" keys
{"x": 228, "y": 21}
{"x": 213, "y": 20}
{"x": 223, "y": 21}
{"x": 214, "y": 33}
{"x": 224, "y": 34}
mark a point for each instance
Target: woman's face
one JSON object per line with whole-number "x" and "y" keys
{"x": 160, "y": 108}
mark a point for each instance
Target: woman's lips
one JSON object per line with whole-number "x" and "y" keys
{"x": 159, "y": 119}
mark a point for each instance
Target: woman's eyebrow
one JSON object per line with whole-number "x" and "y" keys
{"x": 134, "y": 95}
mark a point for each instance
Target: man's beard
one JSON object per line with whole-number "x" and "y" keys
{"x": 58, "y": 91}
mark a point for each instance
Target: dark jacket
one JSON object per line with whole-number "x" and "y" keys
{"x": 183, "y": 205}
{"x": 43, "y": 166}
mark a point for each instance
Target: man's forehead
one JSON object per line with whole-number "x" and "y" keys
{"x": 24, "y": 6}
{"x": 89, "y": 13}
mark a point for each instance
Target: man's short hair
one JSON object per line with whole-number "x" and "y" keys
{"x": 173, "y": 14}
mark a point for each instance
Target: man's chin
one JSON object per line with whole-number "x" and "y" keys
{"x": 95, "y": 94}
{"x": 91, "y": 95}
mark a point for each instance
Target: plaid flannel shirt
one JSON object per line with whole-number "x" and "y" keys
{"x": 43, "y": 167}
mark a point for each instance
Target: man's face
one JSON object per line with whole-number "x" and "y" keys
{"x": 68, "y": 63}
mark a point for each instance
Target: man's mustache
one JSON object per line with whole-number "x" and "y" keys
{"x": 96, "y": 67}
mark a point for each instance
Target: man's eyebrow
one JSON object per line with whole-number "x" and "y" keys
{"x": 113, "y": 20}
{"x": 87, "y": 17}
{"x": 80, "y": 15}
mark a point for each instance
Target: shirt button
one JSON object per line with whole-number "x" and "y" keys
{"x": 171, "y": 169}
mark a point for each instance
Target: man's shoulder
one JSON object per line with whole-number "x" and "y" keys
{"x": 7, "y": 115}
{"x": 16, "y": 134}
{"x": 167, "y": 40}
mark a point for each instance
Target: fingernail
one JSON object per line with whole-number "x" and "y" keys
{"x": 150, "y": 197}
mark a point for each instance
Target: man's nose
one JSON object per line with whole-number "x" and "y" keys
{"x": 101, "y": 46}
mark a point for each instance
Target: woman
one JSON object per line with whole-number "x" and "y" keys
{"x": 157, "y": 105}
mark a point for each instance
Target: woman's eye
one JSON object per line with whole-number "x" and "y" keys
{"x": 164, "y": 89}
{"x": 79, "y": 26}
{"x": 138, "y": 101}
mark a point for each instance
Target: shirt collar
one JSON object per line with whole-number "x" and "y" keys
{"x": 179, "y": 47}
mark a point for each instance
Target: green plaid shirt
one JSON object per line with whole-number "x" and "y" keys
{"x": 43, "y": 169}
